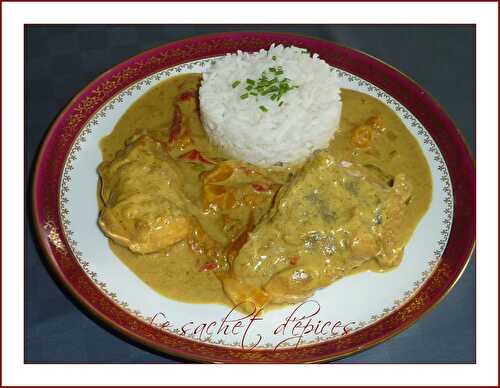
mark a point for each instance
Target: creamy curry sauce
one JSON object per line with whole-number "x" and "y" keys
{"x": 180, "y": 273}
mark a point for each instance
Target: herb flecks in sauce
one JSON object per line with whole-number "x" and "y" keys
{"x": 226, "y": 199}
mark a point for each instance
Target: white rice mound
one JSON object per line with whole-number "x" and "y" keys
{"x": 305, "y": 122}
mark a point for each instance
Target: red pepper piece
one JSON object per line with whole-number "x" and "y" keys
{"x": 210, "y": 266}
{"x": 176, "y": 127}
{"x": 294, "y": 260}
{"x": 186, "y": 96}
{"x": 195, "y": 156}
{"x": 234, "y": 247}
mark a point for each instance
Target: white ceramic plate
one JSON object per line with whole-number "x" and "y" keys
{"x": 335, "y": 314}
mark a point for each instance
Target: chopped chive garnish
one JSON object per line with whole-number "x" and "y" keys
{"x": 275, "y": 87}
{"x": 274, "y": 57}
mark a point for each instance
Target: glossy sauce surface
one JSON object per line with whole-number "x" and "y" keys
{"x": 224, "y": 208}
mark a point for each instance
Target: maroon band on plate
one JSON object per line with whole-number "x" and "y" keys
{"x": 53, "y": 154}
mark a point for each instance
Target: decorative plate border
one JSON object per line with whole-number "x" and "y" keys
{"x": 165, "y": 74}
{"x": 445, "y": 136}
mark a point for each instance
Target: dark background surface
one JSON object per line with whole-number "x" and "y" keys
{"x": 61, "y": 60}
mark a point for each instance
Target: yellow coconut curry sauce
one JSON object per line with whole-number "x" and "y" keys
{"x": 200, "y": 227}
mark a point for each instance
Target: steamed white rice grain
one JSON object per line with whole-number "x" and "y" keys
{"x": 305, "y": 122}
